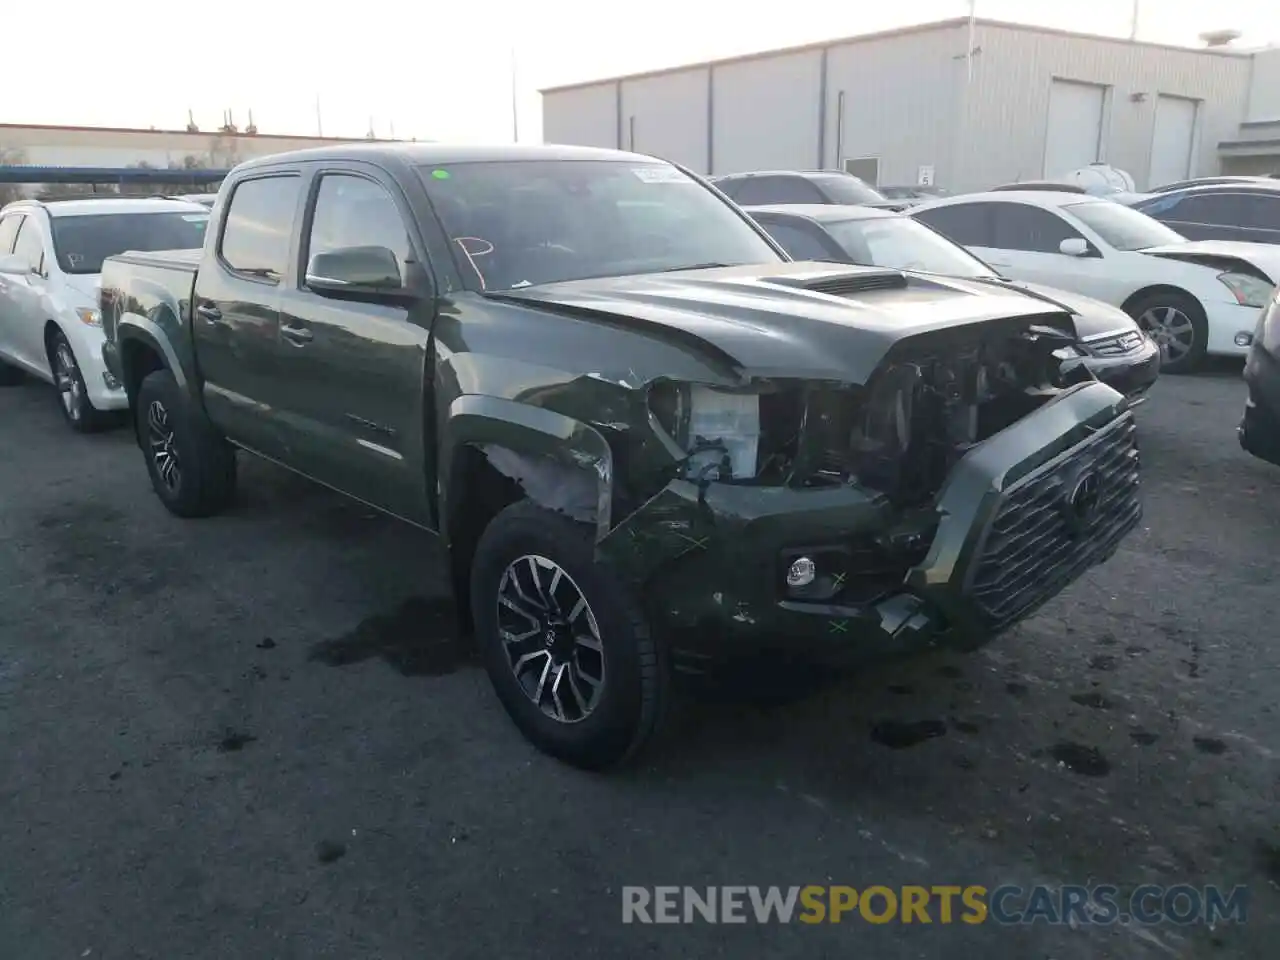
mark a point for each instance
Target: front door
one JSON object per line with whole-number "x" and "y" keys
{"x": 356, "y": 411}
{"x": 236, "y": 314}
{"x": 25, "y": 298}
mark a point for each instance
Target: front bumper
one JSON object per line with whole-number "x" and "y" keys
{"x": 1131, "y": 374}
{"x": 111, "y": 361}
{"x": 1005, "y": 542}
{"x": 1260, "y": 427}
{"x": 1226, "y": 320}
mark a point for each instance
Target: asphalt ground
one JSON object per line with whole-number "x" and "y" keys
{"x": 259, "y": 736}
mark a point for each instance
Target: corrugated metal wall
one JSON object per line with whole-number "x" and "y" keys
{"x": 900, "y": 103}
{"x": 1003, "y": 133}
{"x": 766, "y": 113}
{"x": 583, "y": 116}
{"x": 666, "y": 115}
{"x": 908, "y": 100}
{"x": 1264, "y": 86}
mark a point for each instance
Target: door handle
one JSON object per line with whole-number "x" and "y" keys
{"x": 297, "y": 335}
{"x": 209, "y": 313}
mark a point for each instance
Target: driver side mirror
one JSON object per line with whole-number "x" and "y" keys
{"x": 1074, "y": 247}
{"x": 358, "y": 272}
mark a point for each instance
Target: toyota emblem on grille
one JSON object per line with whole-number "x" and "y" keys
{"x": 1081, "y": 503}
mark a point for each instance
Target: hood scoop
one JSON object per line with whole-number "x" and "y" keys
{"x": 848, "y": 284}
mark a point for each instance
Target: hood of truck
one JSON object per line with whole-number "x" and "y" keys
{"x": 770, "y": 321}
{"x": 1089, "y": 317}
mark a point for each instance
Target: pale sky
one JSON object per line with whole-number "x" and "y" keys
{"x": 444, "y": 71}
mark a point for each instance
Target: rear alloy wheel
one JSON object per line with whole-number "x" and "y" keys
{"x": 164, "y": 452}
{"x": 1176, "y": 322}
{"x": 192, "y": 467}
{"x": 73, "y": 397}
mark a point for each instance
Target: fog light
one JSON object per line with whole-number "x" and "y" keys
{"x": 802, "y": 572}
{"x": 111, "y": 382}
{"x": 1244, "y": 339}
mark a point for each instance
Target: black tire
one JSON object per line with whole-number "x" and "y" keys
{"x": 202, "y": 480}
{"x": 73, "y": 396}
{"x": 632, "y": 696}
{"x": 1158, "y": 303}
{"x": 10, "y": 376}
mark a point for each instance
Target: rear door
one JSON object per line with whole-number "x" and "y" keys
{"x": 236, "y": 315}
{"x": 356, "y": 410}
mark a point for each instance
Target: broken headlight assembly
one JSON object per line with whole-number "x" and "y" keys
{"x": 718, "y": 429}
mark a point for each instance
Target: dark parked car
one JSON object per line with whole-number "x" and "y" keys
{"x": 801, "y": 186}
{"x": 1224, "y": 211}
{"x": 1207, "y": 182}
{"x": 1110, "y": 344}
{"x": 1260, "y": 428}
{"x": 647, "y": 441}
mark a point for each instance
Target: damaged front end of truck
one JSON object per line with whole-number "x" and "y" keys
{"x": 937, "y": 499}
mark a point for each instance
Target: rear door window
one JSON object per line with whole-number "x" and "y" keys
{"x": 968, "y": 224}
{"x": 259, "y": 225}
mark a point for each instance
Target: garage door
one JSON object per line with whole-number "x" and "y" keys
{"x": 1074, "y": 137}
{"x": 1172, "y": 141}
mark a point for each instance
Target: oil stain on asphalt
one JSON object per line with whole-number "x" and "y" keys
{"x": 420, "y": 638}
{"x": 900, "y": 734}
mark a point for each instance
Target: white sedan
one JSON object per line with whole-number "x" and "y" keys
{"x": 51, "y": 257}
{"x": 1192, "y": 297}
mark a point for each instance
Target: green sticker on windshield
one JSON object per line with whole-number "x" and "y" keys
{"x": 440, "y": 174}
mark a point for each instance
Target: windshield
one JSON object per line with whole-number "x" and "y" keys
{"x": 842, "y": 189}
{"x": 901, "y": 243}
{"x": 519, "y": 223}
{"x": 1122, "y": 227}
{"x": 82, "y": 243}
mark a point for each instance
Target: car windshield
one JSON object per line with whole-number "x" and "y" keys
{"x": 81, "y": 243}
{"x": 1122, "y": 227}
{"x": 901, "y": 243}
{"x": 842, "y": 189}
{"x": 520, "y": 223}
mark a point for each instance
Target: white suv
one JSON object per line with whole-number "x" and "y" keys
{"x": 51, "y": 255}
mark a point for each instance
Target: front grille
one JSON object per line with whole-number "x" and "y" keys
{"x": 1038, "y": 542}
{"x": 1116, "y": 346}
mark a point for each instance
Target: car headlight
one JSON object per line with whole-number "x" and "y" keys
{"x": 89, "y": 317}
{"x": 719, "y": 429}
{"x": 1248, "y": 290}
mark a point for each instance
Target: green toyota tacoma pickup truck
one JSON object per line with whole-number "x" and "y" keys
{"x": 649, "y": 441}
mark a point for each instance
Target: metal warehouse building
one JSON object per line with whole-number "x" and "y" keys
{"x": 965, "y": 109}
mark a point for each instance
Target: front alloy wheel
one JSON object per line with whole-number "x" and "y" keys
{"x": 66, "y": 375}
{"x": 1172, "y": 331}
{"x": 164, "y": 452}
{"x": 551, "y": 638}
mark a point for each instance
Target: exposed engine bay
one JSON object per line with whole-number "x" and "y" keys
{"x": 933, "y": 398}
